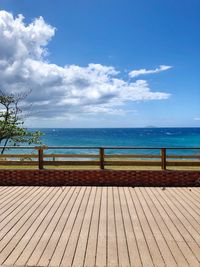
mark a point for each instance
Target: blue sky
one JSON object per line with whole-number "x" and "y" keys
{"x": 125, "y": 35}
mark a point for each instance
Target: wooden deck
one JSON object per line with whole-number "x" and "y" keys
{"x": 99, "y": 226}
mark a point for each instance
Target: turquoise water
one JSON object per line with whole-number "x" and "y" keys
{"x": 139, "y": 137}
{"x": 150, "y": 137}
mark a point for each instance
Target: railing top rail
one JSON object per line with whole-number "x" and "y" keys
{"x": 98, "y": 147}
{"x": 18, "y": 147}
{"x": 116, "y": 147}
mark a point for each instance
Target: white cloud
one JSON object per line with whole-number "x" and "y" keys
{"x": 197, "y": 119}
{"x": 135, "y": 73}
{"x": 58, "y": 91}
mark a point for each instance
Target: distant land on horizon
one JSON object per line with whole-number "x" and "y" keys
{"x": 145, "y": 127}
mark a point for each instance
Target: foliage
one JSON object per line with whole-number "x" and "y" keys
{"x": 12, "y": 131}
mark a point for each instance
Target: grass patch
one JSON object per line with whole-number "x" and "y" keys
{"x": 79, "y": 167}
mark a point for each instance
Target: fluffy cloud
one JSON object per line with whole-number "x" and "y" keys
{"x": 55, "y": 90}
{"x": 135, "y": 73}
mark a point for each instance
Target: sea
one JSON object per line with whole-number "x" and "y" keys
{"x": 135, "y": 137}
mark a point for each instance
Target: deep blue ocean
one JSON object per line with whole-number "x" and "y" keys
{"x": 148, "y": 137}
{"x": 139, "y": 137}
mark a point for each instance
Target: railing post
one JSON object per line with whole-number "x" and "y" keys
{"x": 101, "y": 158}
{"x": 40, "y": 158}
{"x": 163, "y": 158}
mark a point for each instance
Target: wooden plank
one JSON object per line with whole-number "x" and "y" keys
{"x": 13, "y": 217}
{"x": 106, "y": 163}
{"x": 196, "y": 191}
{"x": 71, "y": 163}
{"x": 91, "y": 247}
{"x": 3, "y": 188}
{"x": 190, "y": 207}
{"x": 97, "y": 147}
{"x": 129, "y": 156}
{"x": 184, "y": 156}
{"x": 184, "y": 163}
{"x": 165, "y": 215}
{"x": 43, "y": 230}
{"x": 45, "y": 255}
{"x": 132, "y": 163}
{"x": 46, "y": 244}
{"x": 163, "y": 158}
{"x": 117, "y": 156}
{"x": 40, "y": 158}
{"x": 108, "y": 226}
{"x": 190, "y": 228}
{"x": 71, "y": 246}
{"x": 124, "y": 257}
{"x": 101, "y": 158}
{"x": 143, "y": 246}
{"x": 18, "y": 156}
{"x": 112, "y": 252}
{"x": 18, "y": 163}
{"x": 55, "y": 258}
{"x": 14, "y": 203}
{"x": 71, "y": 156}
{"x": 79, "y": 254}
{"x": 177, "y": 229}
{"x": 14, "y": 200}
{"x": 14, "y": 248}
{"x": 165, "y": 252}
{"x": 190, "y": 194}
{"x": 7, "y": 195}
{"x": 101, "y": 252}
{"x": 10, "y": 234}
{"x": 150, "y": 239}
{"x": 162, "y": 222}
{"x": 132, "y": 245}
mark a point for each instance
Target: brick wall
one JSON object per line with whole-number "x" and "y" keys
{"x": 99, "y": 177}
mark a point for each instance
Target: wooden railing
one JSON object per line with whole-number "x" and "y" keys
{"x": 162, "y": 157}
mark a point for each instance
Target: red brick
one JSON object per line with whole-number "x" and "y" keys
{"x": 98, "y": 177}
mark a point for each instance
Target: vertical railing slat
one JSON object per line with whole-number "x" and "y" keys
{"x": 101, "y": 158}
{"x": 40, "y": 158}
{"x": 163, "y": 158}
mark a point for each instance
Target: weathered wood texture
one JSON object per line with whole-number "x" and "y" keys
{"x": 99, "y": 226}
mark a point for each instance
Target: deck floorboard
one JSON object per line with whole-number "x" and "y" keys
{"x": 99, "y": 226}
